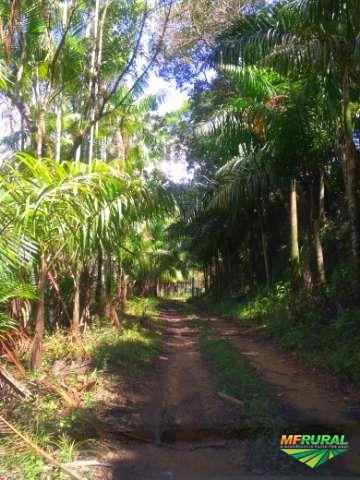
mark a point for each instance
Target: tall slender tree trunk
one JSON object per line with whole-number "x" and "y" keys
{"x": 78, "y": 153}
{"x": 157, "y": 287}
{"x": 99, "y": 283}
{"x": 40, "y": 132}
{"x": 103, "y": 150}
{"x": 308, "y": 276}
{"x": 319, "y": 252}
{"x": 36, "y": 353}
{"x": 75, "y": 324}
{"x": 108, "y": 285}
{"x": 206, "y": 285}
{"x": 22, "y": 139}
{"x": 110, "y": 307}
{"x": 56, "y": 289}
{"x": 308, "y": 207}
{"x": 322, "y": 197}
{"x": 264, "y": 244}
{"x": 294, "y": 235}
{"x": 122, "y": 289}
{"x": 317, "y": 221}
{"x": 350, "y": 171}
{"x": 58, "y": 131}
{"x": 58, "y": 111}
{"x": 85, "y": 296}
{"x": 93, "y": 86}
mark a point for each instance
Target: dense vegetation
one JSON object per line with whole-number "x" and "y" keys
{"x": 271, "y": 130}
{"x": 268, "y": 228}
{"x": 274, "y": 202}
{"x": 83, "y": 207}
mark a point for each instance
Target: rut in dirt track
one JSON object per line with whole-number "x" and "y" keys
{"x": 191, "y": 433}
{"x": 312, "y": 400}
{"x": 190, "y": 398}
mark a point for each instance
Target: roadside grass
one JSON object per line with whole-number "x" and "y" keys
{"x": 180, "y": 298}
{"x": 263, "y": 422}
{"x": 236, "y": 377}
{"x": 75, "y": 370}
{"x": 46, "y": 422}
{"x": 305, "y": 325}
{"x": 129, "y": 352}
{"x": 147, "y": 307}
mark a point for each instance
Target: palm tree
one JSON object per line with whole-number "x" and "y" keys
{"x": 68, "y": 68}
{"x": 298, "y": 38}
{"x": 73, "y": 196}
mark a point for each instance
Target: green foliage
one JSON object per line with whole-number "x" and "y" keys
{"x": 59, "y": 346}
{"x": 65, "y": 432}
{"x": 12, "y": 287}
{"x": 306, "y": 325}
{"x": 237, "y": 378}
{"x": 129, "y": 351}
{"x": 146, "y": 307}
{"x": 67, "y": 449}
{"x": 343, "y": 283}
{"x": 40, "y": 421}
{"x": 257, "y": 310}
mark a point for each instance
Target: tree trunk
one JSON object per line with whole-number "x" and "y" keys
{"x": 78, "y": 153}
{"x": 85, "y": 296}
{"x": 58, "y": 132}
{"x": 93, "y": 86}
{"x": 308, "y": 277}
{"x": 122, "y": 289}
{"x": 99, "y": 286}
{"x": 36, "y": 353}
{"x": 322, "y": 197}
{"x": 108, "y": 286}
{"x": 350, "y": 171}
{"x": 75, "y": 323}
{"x": 60, "y": 101}
{"x": 157, "y": 287}
{"x": 22, "y": 139}
{"x": 265, "y": 253}
{"x": 40, "y": 133}
{"x": 57, "y": 291}
{"x": 103, "y": 150}
{"x": 317, "y": 220}
{"x": 294, "y": 235}
{"x": 308, "y": 209}
{"x": 319, "y": 252}
{"x": 206, "y": 285}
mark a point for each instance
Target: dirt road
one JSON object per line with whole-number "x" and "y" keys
{"x": 178, "y": 427}
{"x": 188, "y": 431}
{"x": 311, "y": 400}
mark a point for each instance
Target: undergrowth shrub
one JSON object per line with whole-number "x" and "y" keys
{"x": 132, "y": 349}
{"x": 59, "y": 346}
{"x": 307, "y": 324}
{"x": 143, "y": 307}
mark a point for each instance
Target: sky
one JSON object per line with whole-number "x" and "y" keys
{"x": 176, "y": 169}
